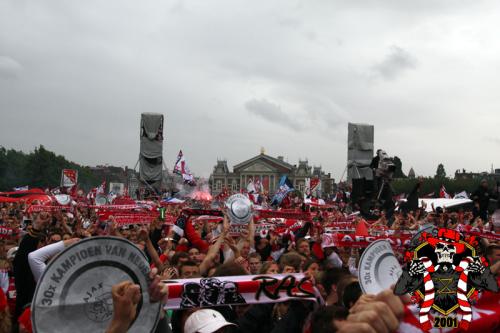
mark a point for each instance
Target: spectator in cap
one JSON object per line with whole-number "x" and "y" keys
{"x": 11, "y": 254}
{"x": 206, "y": 321}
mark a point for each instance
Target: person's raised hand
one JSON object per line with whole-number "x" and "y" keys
{"x": 158, "y": 291}
{"x": 126, "y": 296}
{"x": 170, "y": 232}
{"x": 240, "y": 260}
{"x": 42, "y": 221}
{"x": 143, "y": 234}
{"x": 376, "y": 314}
{"x": 225, "y": 225}
{"x": 71, "y": 241}
{"x": 310, "y": 277}
{"x": 396, "y": 303}
{"x": 379, "y": 313}
{"x": 229, "y": 241}
{"x": 244, "y": 234}
{"x": 169, "y": 273}
{"x": 163, "y": 243}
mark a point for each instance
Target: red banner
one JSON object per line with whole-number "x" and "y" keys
{"x": 7, "y": 199}
{"x": 43, "y": 208}
{"x": 120, "y": 207}
{"x": 22, "y": 193}
{"x": 6, "y": 232}
{"x": 207, "y": 219}
{"x": 485, "y": 234}
{"x": 349, "y": 240}
{"x": 199, "y": 212}
{"x": 235, "y": 230}
{"x": 128, "y": 218}
{"x": 345, "y": 225}
{"x": 296, "y": 215}
{"x": 170, "y": 219}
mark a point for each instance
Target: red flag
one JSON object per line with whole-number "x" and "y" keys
{"x": 182, "y": 169}
{"x": 361, "y": 229}
{"x": 443, "y": 193}
{"x": 69, "y": 178}
{"x": 265, "y": 183}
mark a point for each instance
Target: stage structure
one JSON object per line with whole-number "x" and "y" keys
{"x": 151, "y": 152}
{"x": 360, "y": 139}
{"x": 359, "y": 151}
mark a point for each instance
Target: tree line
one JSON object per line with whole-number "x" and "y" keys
{"x": 432, "y": 185}
{"x": 39, "y": 168}
{"x": 42, "y": 168}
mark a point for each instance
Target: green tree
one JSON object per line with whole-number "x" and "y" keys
{"x": 12, "y": 168}
{"x": 40, "y": 168}
{"x": 398, "y": 173}
{"x": 43, "y": 167}
{"x": 440, "y": 172}
{"x": 432, "y": 184}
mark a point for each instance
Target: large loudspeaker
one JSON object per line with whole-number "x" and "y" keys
{"x": 359, "y": 151}
{"x": 151, "y": 151}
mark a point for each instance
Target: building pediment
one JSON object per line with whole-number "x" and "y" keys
{"x": 263, "y": 163}
{"x": 258, "y": 167}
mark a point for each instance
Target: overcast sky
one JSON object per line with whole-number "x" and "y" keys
{"x": 232, "y": 76}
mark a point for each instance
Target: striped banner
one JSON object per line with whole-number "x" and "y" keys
{"x": 237, "y": 290}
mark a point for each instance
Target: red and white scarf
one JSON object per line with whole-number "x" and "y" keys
{"x": 250, "y": 289}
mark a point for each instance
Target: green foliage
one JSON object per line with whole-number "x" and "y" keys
{"x": 440, "y": 172}
{"x": 398, "y": 173}
{"x": 433, "y": 185}
{"x": 40, "y": 168}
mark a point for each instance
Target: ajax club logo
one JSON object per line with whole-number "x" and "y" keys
{"x": 444, "y": 275}
{"x": 98, "y": 304}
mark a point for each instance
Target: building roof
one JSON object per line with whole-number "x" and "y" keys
{"x": 221, "y": 167}
{"x": 411, "y": 173}
{"x": 266, "y": 158}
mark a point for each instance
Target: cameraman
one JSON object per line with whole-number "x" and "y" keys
{"x": 481, "y": 198}
{"x": 377, "y": 177}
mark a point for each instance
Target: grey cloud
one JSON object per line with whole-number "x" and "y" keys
{"x": 271, "y": 112}
{"x": 9, "y": 68}
{"x": 114, "y": 59}
{"x": 397, "y": 61}
{"x": 311, "y": 35}
{"x": 493, "y": 140}
{"x": 290, "y": 22}
{"x": 325, "y": 111}
{"x": 178, "y": 7}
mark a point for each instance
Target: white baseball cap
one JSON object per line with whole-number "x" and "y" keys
{"x": 12, "y": 252}
{"x": 205, "y": 321}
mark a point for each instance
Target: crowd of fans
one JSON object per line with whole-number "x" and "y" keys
{"x": 208, "y": 249}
